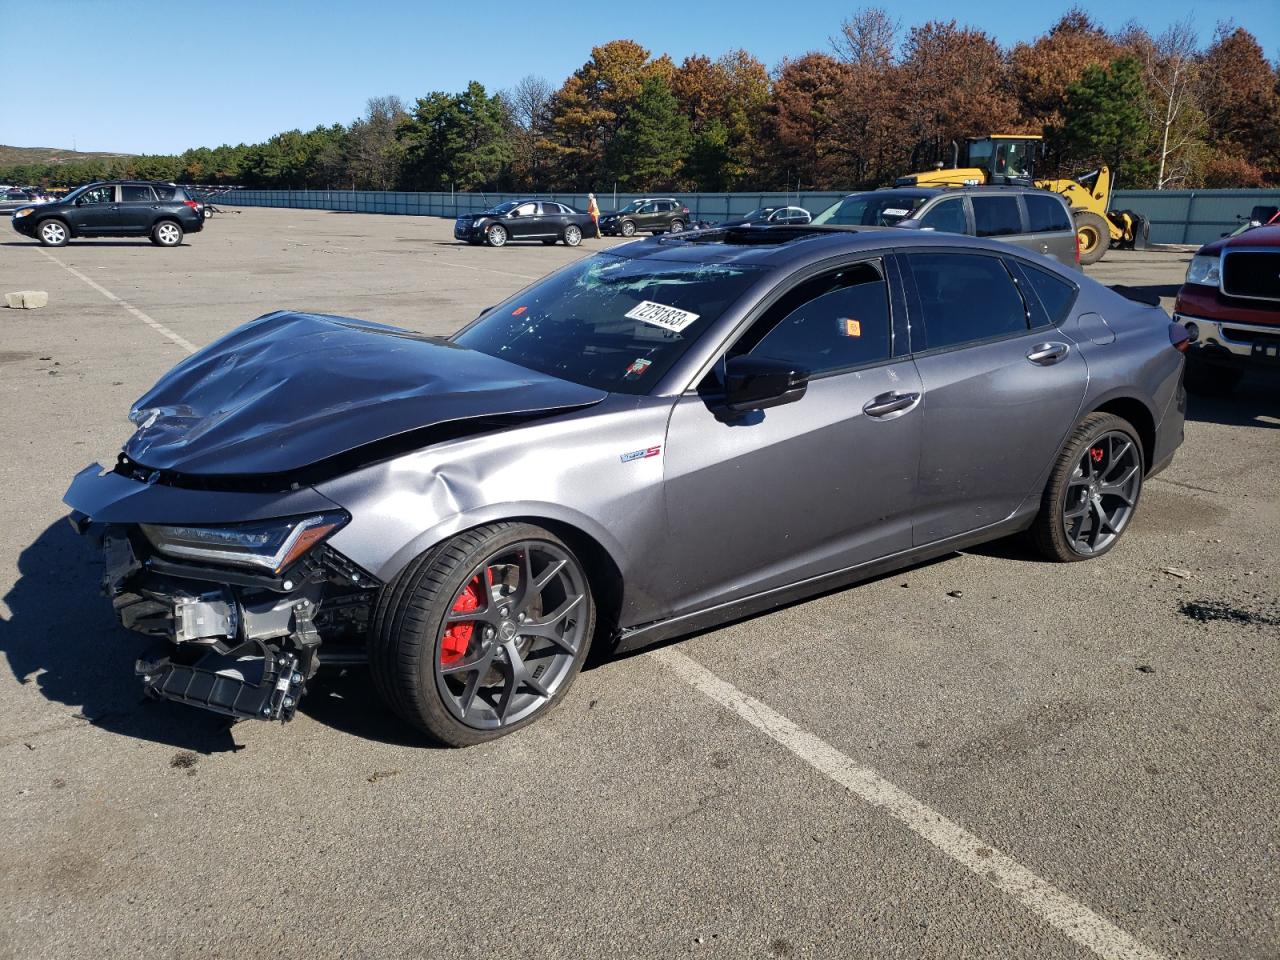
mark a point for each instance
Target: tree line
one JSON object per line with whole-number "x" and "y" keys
{"x": 879, "y": 102}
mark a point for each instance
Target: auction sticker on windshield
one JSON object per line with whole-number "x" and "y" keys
{"x": 659, "y": 315}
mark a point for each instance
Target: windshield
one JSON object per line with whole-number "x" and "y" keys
{"x": 610, "y": 322}
{"x": 77, "y": 191}
{"x": 504, "y": 207}
{"x": 874, "y": 208}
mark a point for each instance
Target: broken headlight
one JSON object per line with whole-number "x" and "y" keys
{"x": 270, "y": 544}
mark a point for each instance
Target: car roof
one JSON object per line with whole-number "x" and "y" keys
{"x": 787, "y": 247}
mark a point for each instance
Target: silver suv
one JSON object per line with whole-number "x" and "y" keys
{"x": 1036, "y": 220}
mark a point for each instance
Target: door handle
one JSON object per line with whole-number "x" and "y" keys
{"x": 887, "y": 403}
{"x": 1049, "y": 353}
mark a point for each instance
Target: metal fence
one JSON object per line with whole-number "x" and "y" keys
{"x": 1177, "y": 216}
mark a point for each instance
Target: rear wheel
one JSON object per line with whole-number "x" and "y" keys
{"x": 496, "y": 235}
{"x": 676, "y": 226}
{"x": 572, "y": 236}
{"x": 1094, "y": 236}
{"x": 483, "y": 634}
{"x": 53, "y": 233}
{"x": 1092, "y": 492}
{"x": 166, "y": 233}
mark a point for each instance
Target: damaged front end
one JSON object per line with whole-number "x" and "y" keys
{"x": 242, "y": 607}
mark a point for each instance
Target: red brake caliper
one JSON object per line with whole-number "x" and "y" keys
{"x": 458, "y": 637}
{"x": 1097, "y": 454}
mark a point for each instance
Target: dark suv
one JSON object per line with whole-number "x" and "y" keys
{"x": 117, "y": 208}
{"x": 1033, "y": 219}
{"x": 654, "y": 215}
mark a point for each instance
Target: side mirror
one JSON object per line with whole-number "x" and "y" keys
{"x": 754, "y": 383}
{"x": 513, "y": 214}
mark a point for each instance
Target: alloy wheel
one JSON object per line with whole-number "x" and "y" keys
{"x": 168, "y": 234}
{"x": 628, "y": 228}
{"x": 53, "y": 233}
{"x": 497, "y": 236}
{"x": 512, "y": 635}
{"x": 572, "y": 236}
{"x": 1102, "y": 492}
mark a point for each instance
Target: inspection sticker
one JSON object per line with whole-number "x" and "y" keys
{"x": 668, "y": 318}
{"x": 894, "y": 212}
{"x": 849, "y": 328}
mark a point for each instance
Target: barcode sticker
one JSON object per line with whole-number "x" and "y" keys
{"x": 659, "y": 315}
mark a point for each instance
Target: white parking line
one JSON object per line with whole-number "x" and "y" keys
{"x": 155, "y": 325}
{"x": 1042, "y": 898}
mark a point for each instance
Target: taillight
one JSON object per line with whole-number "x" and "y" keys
{"x": 1179, "y": 337}
{"x": 193, "y": 204}
{"x": 685, "y": 209}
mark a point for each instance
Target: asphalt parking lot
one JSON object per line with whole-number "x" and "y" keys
{"x": 984, "y": 756}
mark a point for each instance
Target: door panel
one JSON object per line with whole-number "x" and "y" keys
{"x": 96, "y": 212}
{"x": 138, "y": 207}
{"x": 790, "y": 492}
{"x": 993, "y": 422}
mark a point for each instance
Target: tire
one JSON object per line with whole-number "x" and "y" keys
{"x": 1091, "y": 463}
{"x": 53, "y": 233}
{"x": 1094, "y": 235}
{"x": 420, "y": 662}
{"x": 572, "y": 236}
{"x": 676, "y": 226}
{"x": 1208, "y": 379}
{"x": 627, "y": 228}
{"x": 166, "y": 233}
{"x": 496, "y": 235}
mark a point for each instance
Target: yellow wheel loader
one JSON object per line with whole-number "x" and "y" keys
{"x": 1010, "y": 159}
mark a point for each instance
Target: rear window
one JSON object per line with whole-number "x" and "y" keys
{"x": 965, "y": 298}
{"x": 1056, "y": 294}
{"x": 1045, "y": 213}
{"x": 996, "y": 216}
{"x": 610, "y": 322}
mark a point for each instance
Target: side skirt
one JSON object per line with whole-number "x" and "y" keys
{"x": 633, "y": 638}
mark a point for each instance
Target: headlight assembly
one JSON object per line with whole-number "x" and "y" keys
{"x": 273, "y": 545}
{"x": 26, "y": 212}
{"x": 1205, "y": 269}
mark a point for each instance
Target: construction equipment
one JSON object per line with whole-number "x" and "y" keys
{"x": 1010, "y": 159}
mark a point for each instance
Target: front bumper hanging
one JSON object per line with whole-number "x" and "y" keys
{"x": 274, "y": 697}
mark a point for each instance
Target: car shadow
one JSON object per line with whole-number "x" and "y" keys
{"x": 1255, "y": 402}
{"x": 86, "y": 243}
{"x": 61, "y": 636}
{"x": 1147, "y": 293}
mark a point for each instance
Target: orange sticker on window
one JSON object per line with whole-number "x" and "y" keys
{"x": 850, "y": 328}
{"x": 518, "y": 310}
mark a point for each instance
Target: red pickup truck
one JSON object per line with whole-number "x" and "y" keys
{"x": 1230, "y": 304}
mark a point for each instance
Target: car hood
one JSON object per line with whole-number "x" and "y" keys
{"x": 1264, "y": 236}
{"x": 289, "y": 390}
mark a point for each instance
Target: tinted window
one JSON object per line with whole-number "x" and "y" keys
{"x": 1056, "y": 294}
{"x": 948, "y": 216}
{"x": 163, "y": 192}
{"x": 1045, "y": 213}
{"x": 996, "y": 216}
{"x": 131, "y": 192}
{"x": 838, "y": 320}
{"x": 965, "y": 297}
{"x": 575, "y": 324}
{"x": 98, "y": 195}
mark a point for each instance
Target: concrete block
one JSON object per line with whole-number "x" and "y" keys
{"x": 27, "y": 299}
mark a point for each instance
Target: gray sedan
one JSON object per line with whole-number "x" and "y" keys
{"x": 652, "y": 440}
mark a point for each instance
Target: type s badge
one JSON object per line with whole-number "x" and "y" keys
{"x": 644, "y": 454}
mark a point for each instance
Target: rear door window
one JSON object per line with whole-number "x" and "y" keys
{"x": 964, "y": 298}
{"x": 948, "y": 217}
{"x": 996, "y": 216}
{"x": 1056, "y": 295}
{"x": 1046, "y": 214}
{"x": 833, "y": 322}
{"x": 136, "y": 193}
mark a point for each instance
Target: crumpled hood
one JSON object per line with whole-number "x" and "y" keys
{"x": 291, "y": 389}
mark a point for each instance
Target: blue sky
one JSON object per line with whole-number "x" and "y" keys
{"x": 157, "y": 76}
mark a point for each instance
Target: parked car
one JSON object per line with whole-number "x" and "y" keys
{"x": 774, "y": 215}
{"x": 542, "y": 220}
{"x": 13, "y": 199}
{"x": 653, "y": 215}
{"x": 117, "y": 208}
{"x": 652, "y": 440}
{"x": 1230, "y": 305}
{"x": 1037, "y": 220}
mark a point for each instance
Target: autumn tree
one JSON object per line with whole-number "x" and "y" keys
{"x": 873, "y": 129}
{"x": 374, "y": 153}
{"x": 529, "y": 103}
{"x": 724, "y": 101}
{"x": 1238, "y": 90}
{"x": 803, "y": 121}
{"x": 1170, "y": 68}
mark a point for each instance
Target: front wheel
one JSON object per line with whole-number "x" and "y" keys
{"x": 483, "y": 634}
{"x": 1092, "y": 492}
{"x": 53, "y": 233}
{"x": 572, "y": 236}
{"x": 496, "y": 236}
{"x": 628, "y": 228}
{"x": 1093, "y": 235}
{"x": 166, "y": 233}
